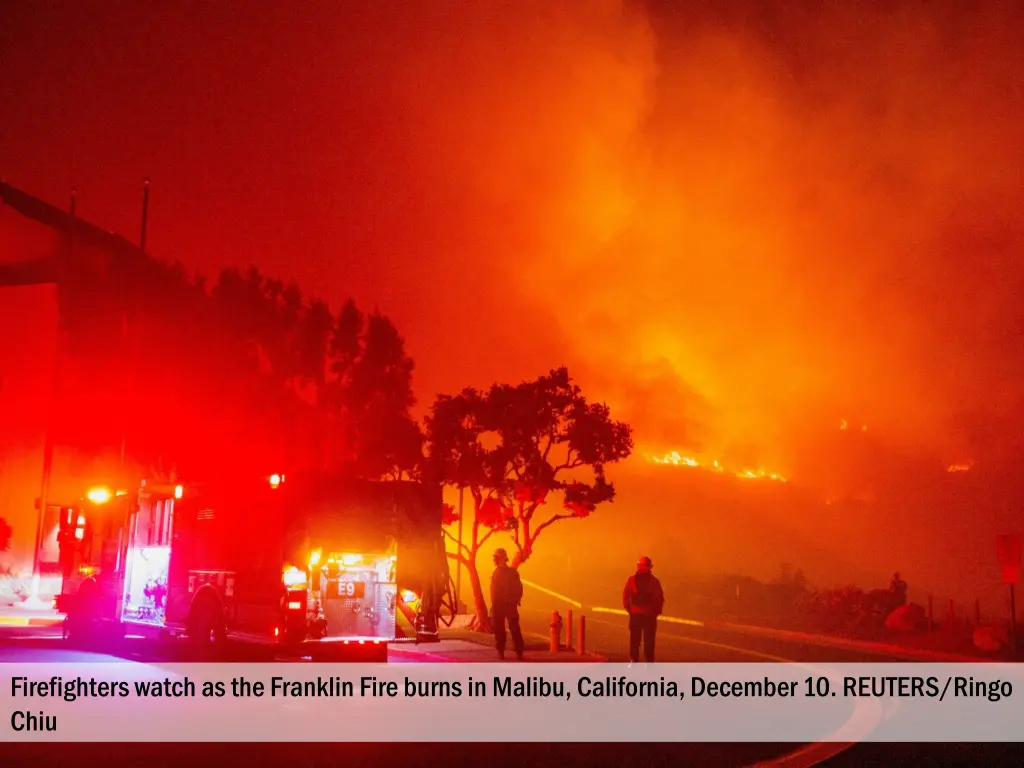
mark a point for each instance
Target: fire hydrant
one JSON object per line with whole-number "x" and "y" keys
{"x": 556, "y": 632}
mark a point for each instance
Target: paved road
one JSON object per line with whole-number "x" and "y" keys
{"x": 608, "y": 636}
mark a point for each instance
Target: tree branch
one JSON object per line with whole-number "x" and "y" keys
{"x": 528, "y": 515}
{"x": 546, "y": 523}
{"x": 515, "y": 531}
{"x": 570, "y": 463}
{"x": 551, "y": 442}
{"x": 455, "y": 541}
{"x": 457, "y": 556}
{"x": 485, "y": 538}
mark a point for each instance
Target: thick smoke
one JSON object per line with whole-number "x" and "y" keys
{"x": 738, "y": 228}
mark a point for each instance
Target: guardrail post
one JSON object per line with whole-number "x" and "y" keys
{"x": 568, "y": 630}
{"x": 583, "y": 635}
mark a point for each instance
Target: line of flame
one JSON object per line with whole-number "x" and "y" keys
{"x": 675, "y": 458}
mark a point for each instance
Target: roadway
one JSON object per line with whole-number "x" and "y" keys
{"x": 605, "y": 635}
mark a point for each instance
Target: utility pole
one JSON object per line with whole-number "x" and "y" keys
{"x": 130, "y": 343}
{"x": 33, "y": 600}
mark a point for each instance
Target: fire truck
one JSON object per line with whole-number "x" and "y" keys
{"x": 313, "y": 565}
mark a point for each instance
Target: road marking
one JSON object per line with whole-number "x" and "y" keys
{"x": 668, "y": 619}
{"x": 807, "y": 756}
{"x": 710, "y": 644}
{"x": 547, "y": 591}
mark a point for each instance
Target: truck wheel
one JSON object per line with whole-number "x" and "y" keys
{"x": 207, "y": 630}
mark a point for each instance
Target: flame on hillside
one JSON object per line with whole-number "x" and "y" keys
{"x": 675, "y": 458}
{"x": 965, "y": 467}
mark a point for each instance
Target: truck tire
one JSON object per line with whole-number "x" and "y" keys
{"x": 207, "y": 631}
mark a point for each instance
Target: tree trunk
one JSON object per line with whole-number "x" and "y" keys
{"x": 522, "y": 554}
{"x": 481, "y": 621}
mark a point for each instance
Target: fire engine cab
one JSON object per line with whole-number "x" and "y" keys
{"x": 313, "y": 565}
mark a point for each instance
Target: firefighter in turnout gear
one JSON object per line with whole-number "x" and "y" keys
{"x": 643, "y": 600}
{"x": 506, "y": 596}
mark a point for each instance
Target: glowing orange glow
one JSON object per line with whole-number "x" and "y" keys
{"x": 178, "y": 491}
{"x": 99, "y": 495}
{"x": 293, "y": 577}
{"x": 674, "y": 458}
{"x": 633, "y": 240}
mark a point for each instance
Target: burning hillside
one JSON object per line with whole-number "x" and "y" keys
{"x": 784, "y": 246}
{"x": 674, "y": 458}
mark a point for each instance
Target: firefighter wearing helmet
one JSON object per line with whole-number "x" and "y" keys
{"x": 506, "y": 596}
{"x": 643, "y": 599}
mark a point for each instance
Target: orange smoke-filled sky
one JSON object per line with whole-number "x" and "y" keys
{"x": 737, "y": 227}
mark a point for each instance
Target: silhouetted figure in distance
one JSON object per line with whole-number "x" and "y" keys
{"x": 506, "y": 596}
{"x": 643, "y": 599}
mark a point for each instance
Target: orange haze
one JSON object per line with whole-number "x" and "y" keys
{"x": 739, "y": 229}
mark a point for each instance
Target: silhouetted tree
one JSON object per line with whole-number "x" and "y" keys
{"x": 514, "y": 447}
{"x": 369, "y": 396}
{"x": 312, "y": 334}
{"x": 246, "y": 370}
{"x": 5, "y": 535}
